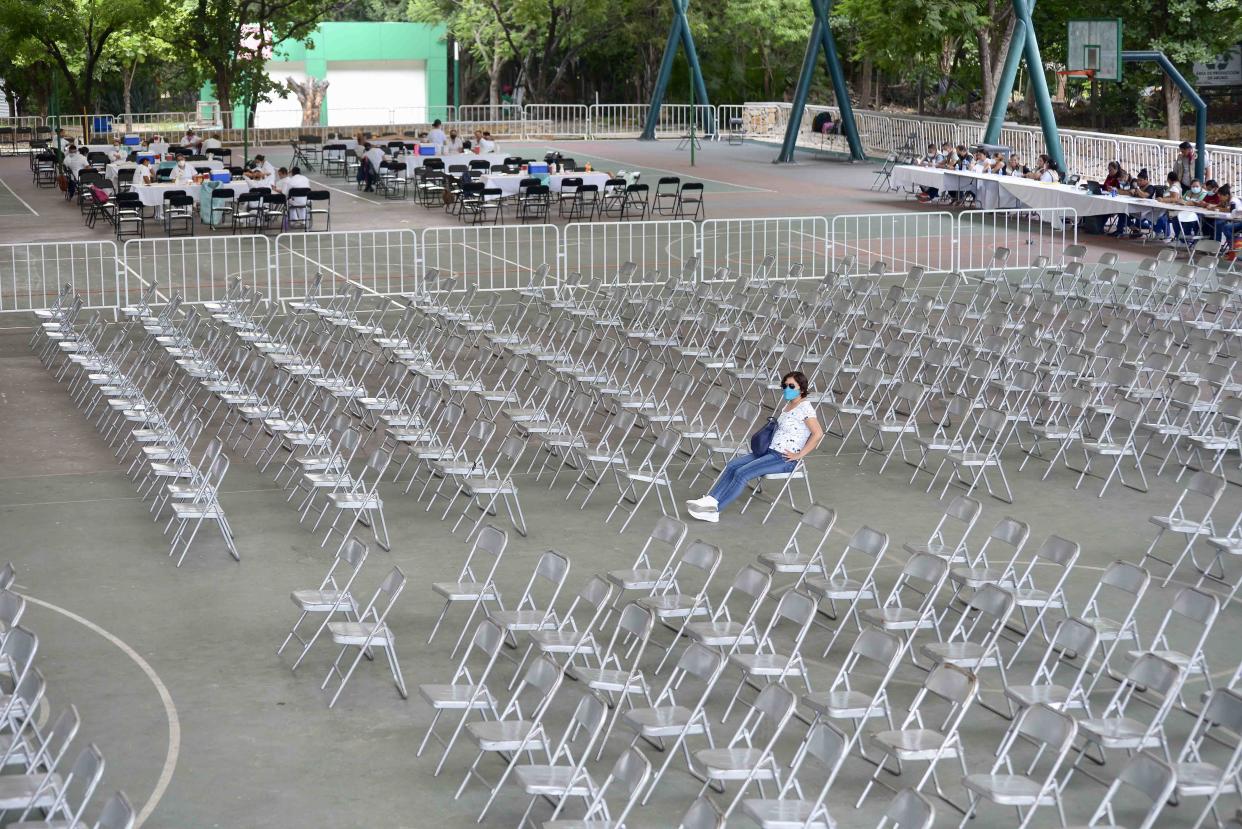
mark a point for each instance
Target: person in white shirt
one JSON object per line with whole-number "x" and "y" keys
{"x": 143, "y": 172}
{"x": 183, "y": 173}
{"x": 296, "y": 179}
{"x": 281, "y": 184}
{"x": 373, "y": 157}
{"x": 191, "y": 140}
{"x": 436, "y": 136}
{"x": 297, "y": 204}
{"x": 211, "y": 144}
{"x": 453, "y": 145}
{"x": 486, "y": 144}
{"x": 75, "y": 160}
{"x": 796, "y": 435}
{"x": 980, "y": 162}
{"x": 263, "y": 166}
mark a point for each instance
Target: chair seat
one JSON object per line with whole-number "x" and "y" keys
{"x": 609, "y": 679}
{"x": 789, "y": 562}
{"x": 522, "y": 619}
{"x": 356, "y": 500}
{"x": 1201, "y": 779}
{"x": 502, "y": 735}
{"x": 837, "y": 588}
{"x": 671, "y": 605}
{"x": 553, "y": 780}
{"x": 462, "y": 591}
{"x": 665, "y": 721}
{"x": 781, "y": 814}
{"x": 763, "y": 664}
{"x": 455, "y": 697}
{"x": 1117, "y": 732}
{"x": 718, "y": 634}
{"x": 1107, "y": 629}
{"x": 1007, "y": 789}
{"x": 640, "y": 579}
{"x": 843, "y": 704}
{"x": 1179, "y": 525}
{"x": 962, "y": 654}
{"x": 357, "y": 633}
{"x": 1054, "y": 696}
{"x": 561, "y": 641}
{"x": 895, "y": 618}
{"x": 321, "y": 601}
{"x": 18, "y": 790}
{"x": 913, "y": 743}
{"x": 192, "y": 510}
{"x": 732, "y": 763}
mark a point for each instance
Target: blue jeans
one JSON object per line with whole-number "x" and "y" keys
{"x": 1225, "y": 230}
{"x": 743, "y": 469}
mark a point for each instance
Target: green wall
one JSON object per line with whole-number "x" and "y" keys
{"x": 370, "y": 42}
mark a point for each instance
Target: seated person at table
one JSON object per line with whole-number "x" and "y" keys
{"x": 261, "y": 165}
{"x": 75, "y": 162}
{"x": 155, "y": 139}
{"x": 947, "y": 158}
{"x": 933, "y": 158}
{"x": 1194, "y": 194}
{"x": 453, "y": 144}
{"x": 1225, "y": 228}
{"x": 183, "y": 173}
{"x": 1114, "y": 176}
{"x": 979, "y": 162}
{"x": 1172, "y": 195}
{"x": 1014, "y": 167}
{"x": 281, "y": 182}
{"x": 436, "y": 136}
{"x": 191, "y": 140}
{"x": 369, "y": 169}
{"x": 476, "y": 140}
{"x": 143, "y": 174}
{"x": 1045, "y": 170}
{"x": 210, "y": 144}
{"x": 929, "y": 157}
{"x": 296, "y": 179}
{"x": 486, "y": 144}
{"x": 997, "y": 164}
{"x": 116, "y": 152}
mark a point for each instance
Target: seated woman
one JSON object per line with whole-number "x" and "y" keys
{"x": 797, "y": 434}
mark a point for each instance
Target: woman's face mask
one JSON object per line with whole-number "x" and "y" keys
{"x": 181, "y": 164}
{"x": 790, "y": 393}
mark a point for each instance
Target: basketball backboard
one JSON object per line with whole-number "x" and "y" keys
{"x": 1095, "y": 45}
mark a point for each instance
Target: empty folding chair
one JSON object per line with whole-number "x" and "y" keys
{"x": 734, "y": 614}
{"x": 475, "y": 582}
{"x": 974, "y": 642}
{"x": 1034, "y": 597}
{"x": 360, "y": 499}
{"x": 1059, "y": 678}
{"x": 850, "y": 580}
{"x": 619, "y": 676}
{"x": 802, "y": 555}
{"x": 910, "y": 605}
{"x": 333, "y": 596}
{"x": 981, "y": 451}
{"x": 1228, "y": 544}
{"x": 203, "y": 505}
{"x": 1183, "y": 634}
{"x": 59, "y": 799}
{"x": 371, "y": 630}
{"x": 929, "y": 733}
{"x": 749, "y": 755}
{"x": 1133, "y": 719}
{"x": 678, "y": 711}
{"x": 681, "y": 594}
{"x": 908, "y": 810}
{"x": 467, "y": 690}
{"x": 1197, "y": 775}
{"x": 1111, "y": 609}
{"x": 1115, "y": 443}
{"x": 535, "y": 609}
{"x": 857, "y": 695}
{"x": 630, "y": 774}
{"x": 1189, "y": 519}
{"x": 520, "y": 725}
{"x": 702, "y": 814}
{"x": 565, "y": 774}
{"x": 635, "y": 482}
{"x": 994, "y": 562}
{"x": 1150, "y": 779}
{"x": 829, "y": 746}
{"x": 1032, "y": 784}
{"x": 667, "y": 535}
{"x": 766, "y": 661}
{"x": 40, "y": 785}
{"x": 949, "y": 538}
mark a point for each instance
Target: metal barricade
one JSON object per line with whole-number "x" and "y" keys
{"x": 382, "y": 262}
{"x": 502, "y": 120}
{"x": 422, "y": 116}
{"x": 1026, "y": 233}
{"x": 899, "y": 240}
{"x": 628, "y": 120}
{"x": 555, "y": 121}
{"x": 198, "y": 268}
{"x": 168, "y": 123}
{"x": 659, "y": 249}
{"x": 741, "y": 244}
{"x": 1088, "y": 155}
{"x": 32, "y": 274}
{"x": 495, "y": 258}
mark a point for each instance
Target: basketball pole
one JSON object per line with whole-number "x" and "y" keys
{"x": 1179, "y": 80}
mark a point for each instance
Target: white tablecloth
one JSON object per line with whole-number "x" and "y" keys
{"x": 507, "y": 183}
{"x": 152, "y": 195}
{"x": 115, "y": 167}
{"x": 1013, "y": 191}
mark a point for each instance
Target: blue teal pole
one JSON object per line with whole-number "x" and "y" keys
{"x": 1004, "y": 86}
{"x": 838, "y": 81}
{"x": 696, "y": 73}
{"x": 1043, "y": 101}
{"x": 1189, "y": 91}
{"x": 666, "y": 70}
{"x": 801, "y": 91}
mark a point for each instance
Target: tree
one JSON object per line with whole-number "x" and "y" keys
{"x": 130, "y": 50}
{"x": 310, "y": 95}
{"x": 76, "y": 35}
{"x": 231, "y": 40}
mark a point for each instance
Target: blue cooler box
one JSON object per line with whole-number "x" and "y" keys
{"x": 221, "y": 175}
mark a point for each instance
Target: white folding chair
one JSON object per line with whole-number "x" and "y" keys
{"x": 911, "y": 604}
{"x": 949, "y": 538}
{"x": 61, "y": 801}
{"x": 1111, "y": 609}
{"x": 466, "y": 690}
{"x": 1058, "y": 678}
{"x": 1183, "y": 634}
{"x": 475, "y": 582}
{"x": 749, "y": 756}
{"x": 1038, "y": 597}
{"x": 974, "y": 642}
{"x": 763, "y": 661}
{"x": 535, "y": 609}
{"x": 858, "y": 695}
{"x": 564, "y": 775}
{"x": 370, "y": 631}
{"x": 681, "y": 594}
{"x": 630, "y": 772}
{"x": 850, "y": 580}
{"x": 1189, "y": 519}
{"x": 802, "y": 555}
{"x": 1197, "y": 775}
{"x": 830, "y": 747}
{"x": 908, "y": 810}
{"x": 1149, "y": 778}
{"x": 331, "y": 597}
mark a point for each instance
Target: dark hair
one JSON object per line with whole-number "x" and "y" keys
{"x": 1225, "y": 190}
{"x": 296, "y": 171}
{"x": 435, "y": 123}
{"x": 800, "y": 379}
{"x": 1185, "y": 145}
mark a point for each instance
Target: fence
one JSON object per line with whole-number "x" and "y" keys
{"x": 900, "y": 240}
{"x": 657, "y": 248}
{"x": 494, "y": 258}
{"x": 383, "y": 262}
{"x": 32, "y": 274}
{"x": 741, "y": 244}
{"x": 197, "y": 268}
{"x": 1026, "y": 233}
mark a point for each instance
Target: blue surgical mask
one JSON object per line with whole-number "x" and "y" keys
{"x": 790, "y": 394}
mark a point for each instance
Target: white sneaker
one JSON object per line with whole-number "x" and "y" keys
{"x": 707, "y": 502}
{"x": 712, "y": 517}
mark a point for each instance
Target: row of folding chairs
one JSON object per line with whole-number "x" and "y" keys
{"x": 612, "y": 637}
{"x": 39, "y": 784}
{"x": 152, "y": 424}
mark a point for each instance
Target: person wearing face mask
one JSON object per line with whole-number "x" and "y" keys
{"x": 796, "y": 435}
{"x": 452, "y": 145}
{"x": 183, "y": 173}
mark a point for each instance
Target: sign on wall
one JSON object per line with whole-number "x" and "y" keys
{"x": 1223, "y": 70}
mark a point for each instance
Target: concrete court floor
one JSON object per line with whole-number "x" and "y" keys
{"x": 175, "y": 674}
{"x": 740, "y": 182}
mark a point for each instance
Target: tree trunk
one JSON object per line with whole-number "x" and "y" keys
{"x": 310, "y": 95}
{"x": 1173, "y": 109}
{"x": 129, "y": 103}
{"x": 493, "y": 85}
{"x": 864, "y": 90}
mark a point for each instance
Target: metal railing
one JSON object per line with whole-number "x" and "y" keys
{"x": 197, "y": 267}
{"x": 383, "y": 262}
{"x": 32, "y": 274}
{"x": 496, "y": 258}
{"x": 1027, "y": 234}
{"x": 659, "y": 249}
{"x": 900, "y": 240}
{"x": 741, "y": 244}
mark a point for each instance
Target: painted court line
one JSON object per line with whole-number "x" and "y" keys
{"x": 671, "y": 172}
{"x": 19, "y": 198}
{"x": 170, "y": 709}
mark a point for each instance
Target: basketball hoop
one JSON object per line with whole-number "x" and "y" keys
{"x": 1083, "y": 74}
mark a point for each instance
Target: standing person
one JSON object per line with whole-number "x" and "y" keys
{"x": 1184, "y": 164}
{"x": 373, "y": 158}
{"x": 436, "y": 136}
{"x": 797, "y": 434}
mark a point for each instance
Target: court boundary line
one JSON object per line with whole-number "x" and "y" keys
{"x": 19, "y": 198}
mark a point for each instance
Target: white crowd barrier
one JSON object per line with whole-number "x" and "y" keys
{"x": 393, "y": 262}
